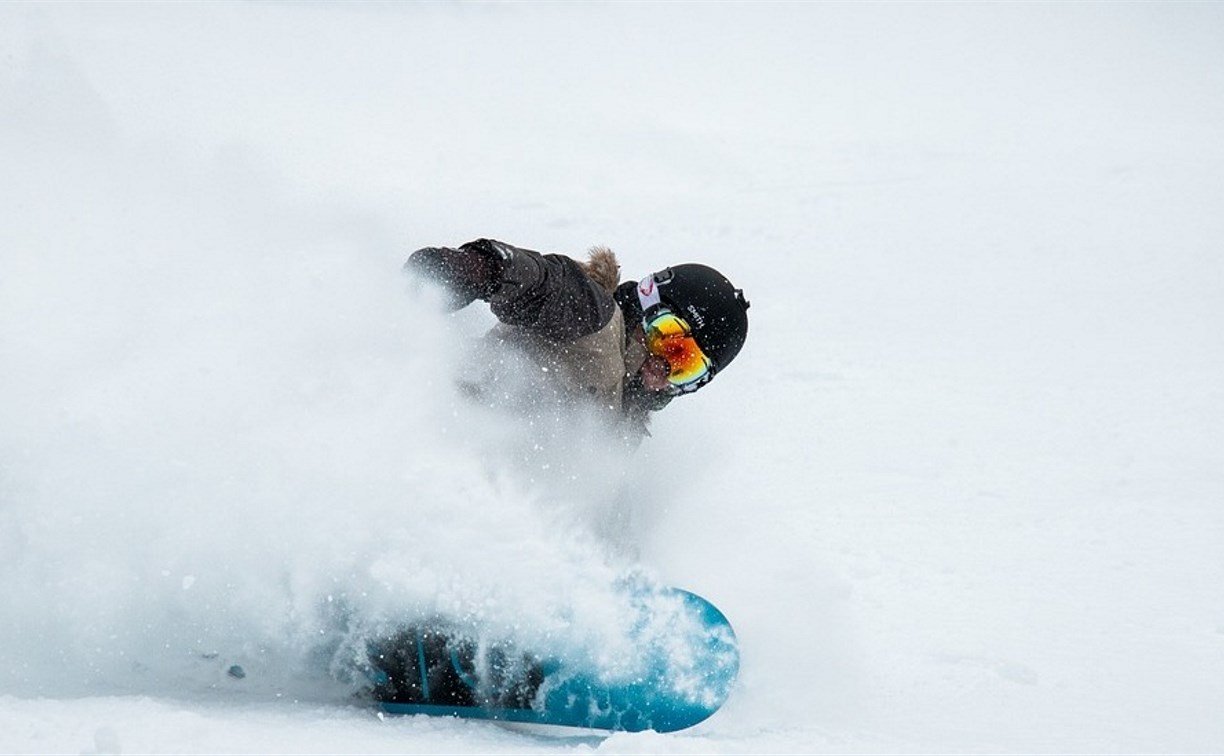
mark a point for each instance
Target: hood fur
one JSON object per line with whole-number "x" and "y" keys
{"x": 603, "y": 268}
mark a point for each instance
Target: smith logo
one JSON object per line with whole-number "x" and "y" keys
{"x": 698, "y": 320}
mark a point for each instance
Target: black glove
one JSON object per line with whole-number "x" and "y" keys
{"x": 471, "y": 272}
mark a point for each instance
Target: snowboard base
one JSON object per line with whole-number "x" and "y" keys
{"x": 688, "y": 662}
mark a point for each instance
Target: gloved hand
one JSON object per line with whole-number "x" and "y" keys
{"x": 471, "y": 272}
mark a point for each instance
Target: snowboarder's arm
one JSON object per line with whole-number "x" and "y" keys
{"x": 549, "y": 295}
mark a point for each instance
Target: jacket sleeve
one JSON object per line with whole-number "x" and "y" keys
{"x": 550, "y": 296}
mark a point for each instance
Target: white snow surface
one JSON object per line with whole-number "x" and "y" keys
{"x": 963, "y": 490}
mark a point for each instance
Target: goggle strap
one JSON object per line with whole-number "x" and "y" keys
{"x": 648, "y": 294}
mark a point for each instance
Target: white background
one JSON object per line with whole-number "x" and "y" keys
{"x": 963, "y": 490}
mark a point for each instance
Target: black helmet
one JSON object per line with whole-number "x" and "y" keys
{"x": 708, "y": 302}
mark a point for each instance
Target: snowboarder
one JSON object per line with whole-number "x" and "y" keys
{"x": 629, "y": 347}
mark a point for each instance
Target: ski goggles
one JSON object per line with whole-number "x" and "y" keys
{"x": 669, "y": 337}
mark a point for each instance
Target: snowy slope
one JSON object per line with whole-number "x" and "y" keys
{"x": 962, "y": 491}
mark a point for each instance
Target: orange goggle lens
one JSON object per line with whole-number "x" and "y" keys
{"x": 669, "y": 337}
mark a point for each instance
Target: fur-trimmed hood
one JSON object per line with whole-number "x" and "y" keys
{"x": 603, "y": 268}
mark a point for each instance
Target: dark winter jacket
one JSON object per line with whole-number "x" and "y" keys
{"x": 564, "y": 314}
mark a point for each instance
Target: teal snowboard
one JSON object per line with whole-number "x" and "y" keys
{"x": 685, "y": 662}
